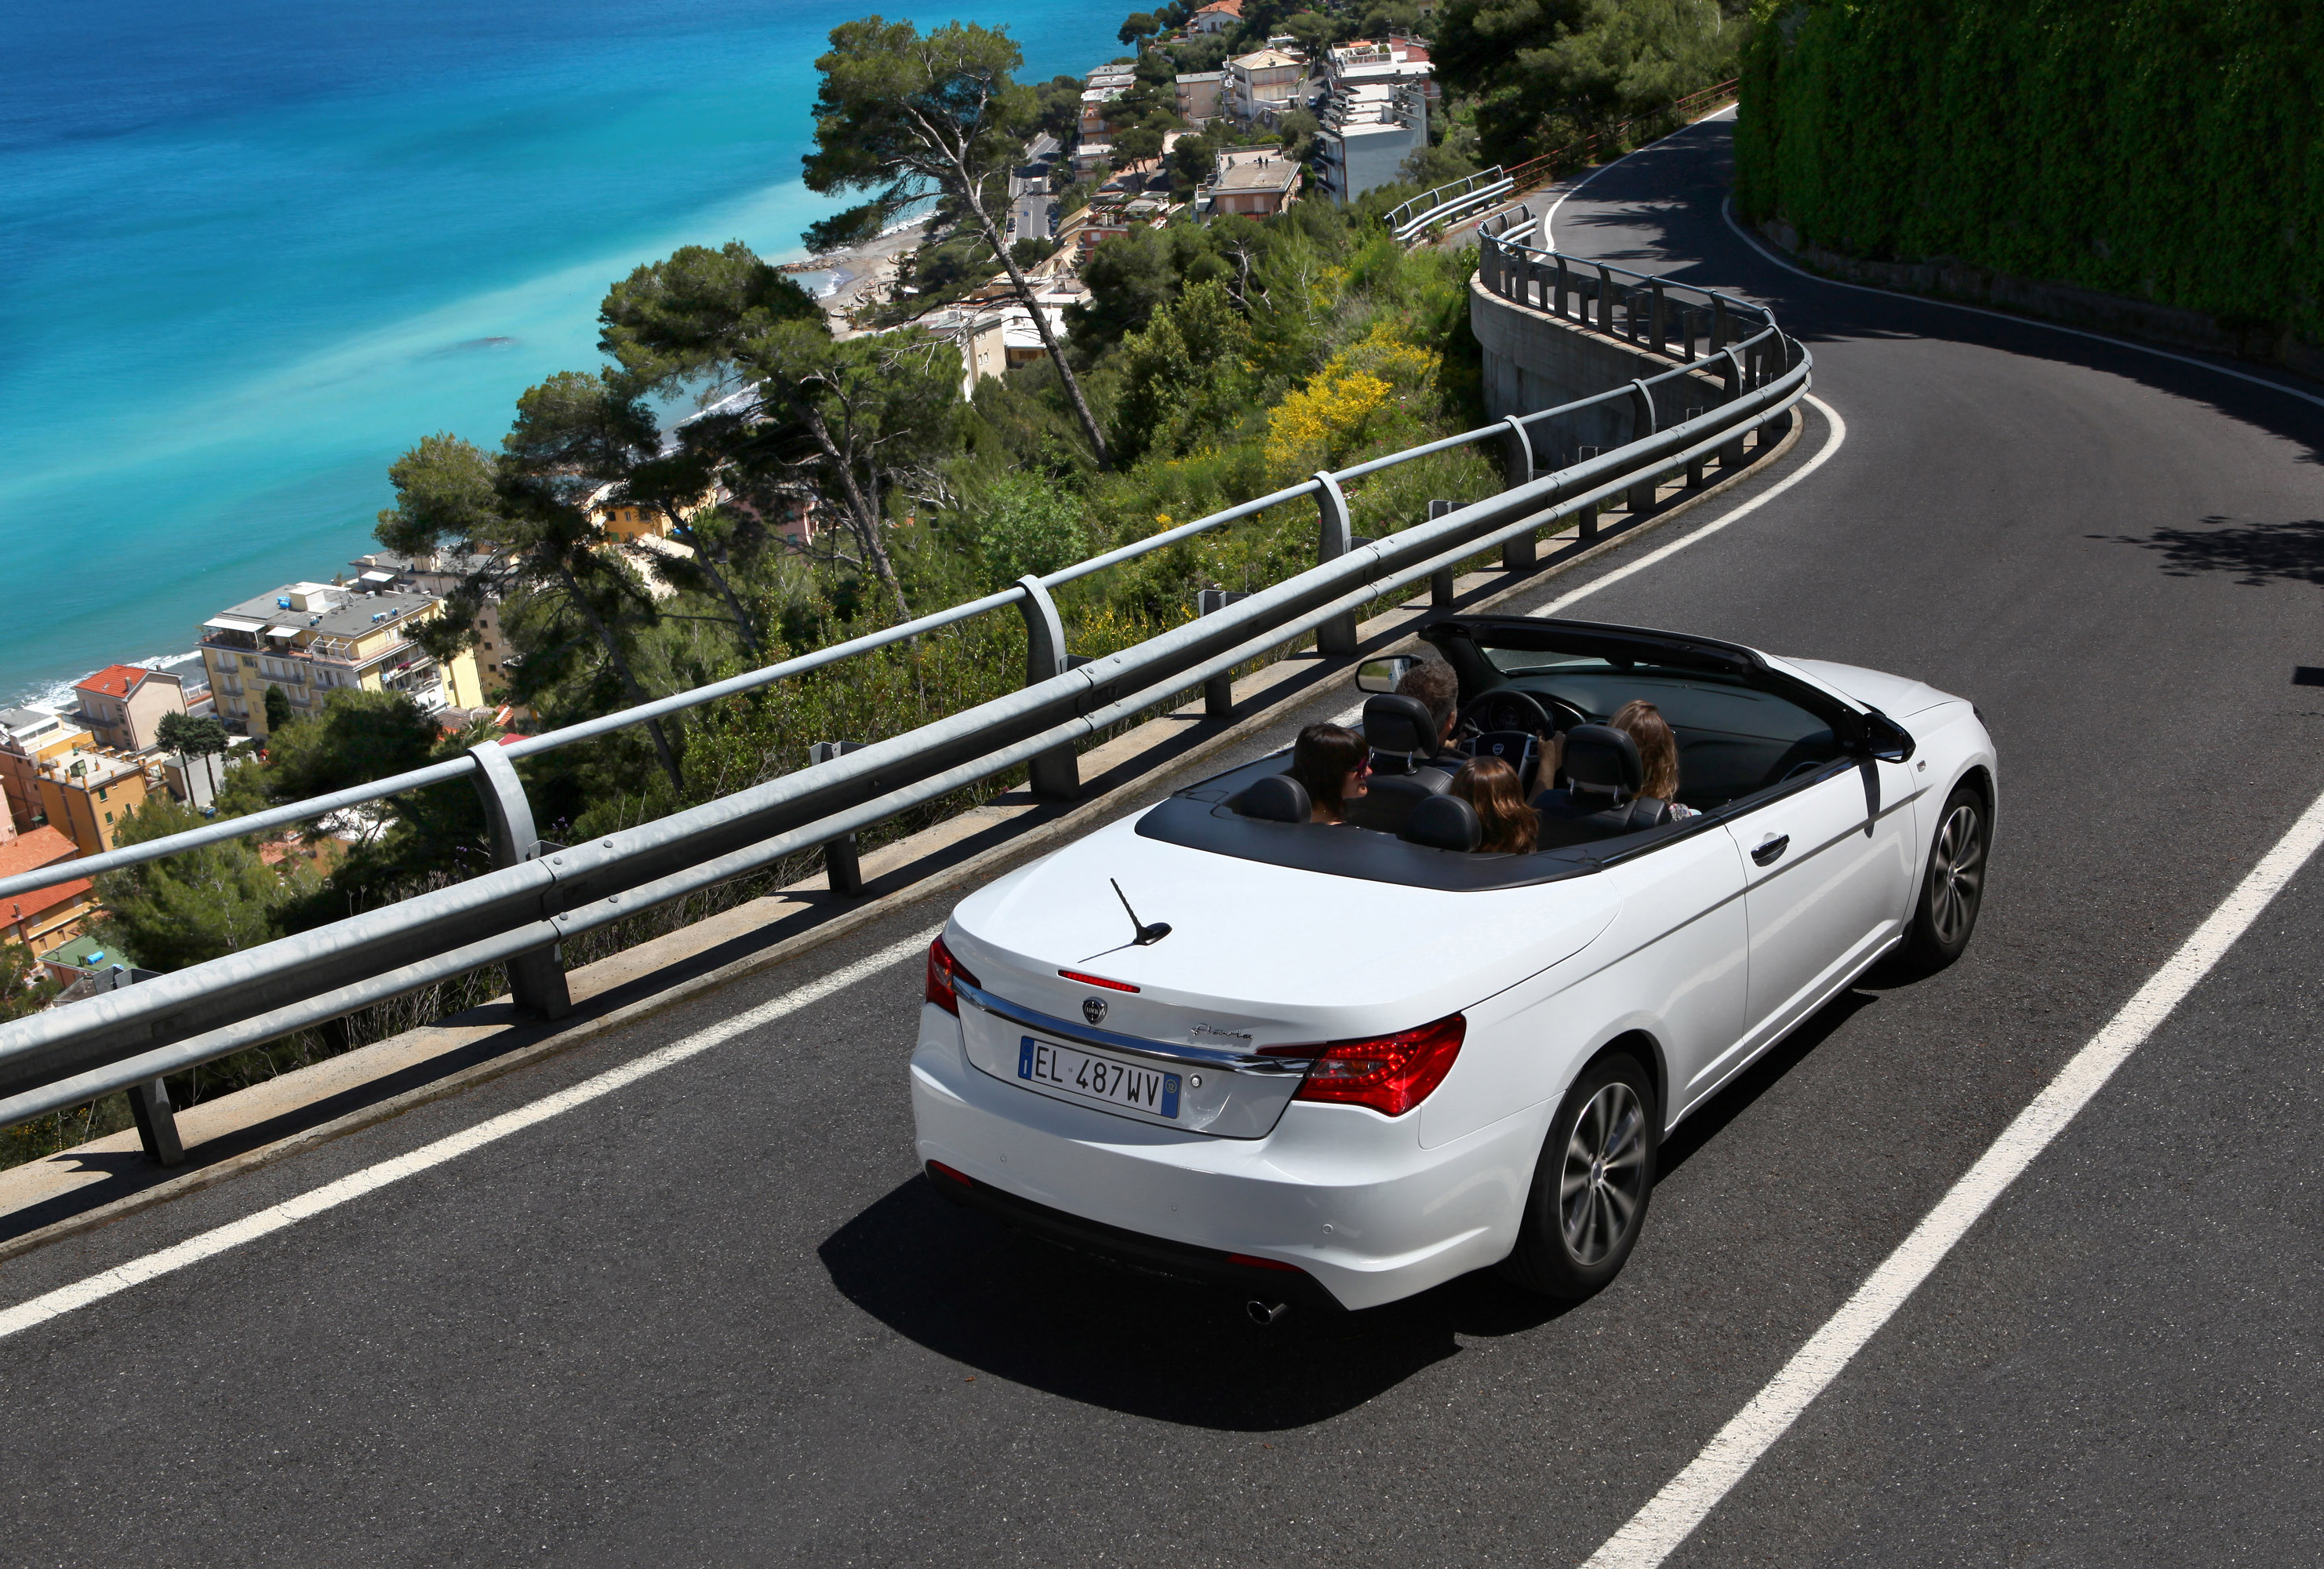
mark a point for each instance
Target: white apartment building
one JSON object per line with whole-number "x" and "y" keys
{"x": 1369, "y": 130}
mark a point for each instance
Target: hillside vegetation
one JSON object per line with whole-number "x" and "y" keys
{"x": 2164, "y": 150}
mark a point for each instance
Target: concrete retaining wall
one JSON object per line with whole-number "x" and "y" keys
{"x": 1536, "y": 361}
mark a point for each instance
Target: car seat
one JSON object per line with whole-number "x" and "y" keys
{"x": 1277, "y": 799}
{"x": 1443, "y": 823}
{"x": 1402, "y": 735}
{"x": 1602, "y": 799}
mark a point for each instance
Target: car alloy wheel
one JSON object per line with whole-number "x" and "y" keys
{"x": 1605, "y": 1175}
{"x": 1592, "y": 1185}
{"x": 1955, "y": 874}
{"x": 1952, "y": 888}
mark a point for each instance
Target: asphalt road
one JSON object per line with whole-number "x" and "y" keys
{"x": 716, "y": 1318}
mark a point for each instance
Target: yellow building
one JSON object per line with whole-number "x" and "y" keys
{"x": 312, "y": 639}
{"x": 87, "y": 795}
{"x": 29, "y": 737}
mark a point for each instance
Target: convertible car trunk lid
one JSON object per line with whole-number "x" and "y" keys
{"x": 1256, "y": 955}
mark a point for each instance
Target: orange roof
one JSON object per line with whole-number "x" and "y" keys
{"x": 113, "y": 681}
{"x": 1231, "y": 7}
{"x": 43, "y": 847}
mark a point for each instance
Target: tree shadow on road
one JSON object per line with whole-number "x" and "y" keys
{"x": 970, "y": 1288}
{"x": 2257, "y": 554}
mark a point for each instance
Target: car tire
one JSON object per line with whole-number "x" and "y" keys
{"x": 1592, "y": 1184}
{"x": 1952, "y": 885}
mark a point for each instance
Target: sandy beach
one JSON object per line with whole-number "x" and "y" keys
{"x": 867, "y": 268}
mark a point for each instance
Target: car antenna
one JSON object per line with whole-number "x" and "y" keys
{"x": 1147, "y": 935}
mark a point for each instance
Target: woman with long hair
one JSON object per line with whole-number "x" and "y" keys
{"x": 1332, "y": 761}
{"x": 1490, "y": 785}
{"x": 1657, "y": 745}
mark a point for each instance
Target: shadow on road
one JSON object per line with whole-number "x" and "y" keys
{"x": 2255, "y": 554}
{"x": 969, "y": 1288}
{"x": 1705, "y": 1121}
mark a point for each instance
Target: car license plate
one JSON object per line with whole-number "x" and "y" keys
{"x": 1097, "y": 1078}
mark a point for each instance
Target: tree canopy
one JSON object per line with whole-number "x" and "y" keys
{"x": 899, "y": 116}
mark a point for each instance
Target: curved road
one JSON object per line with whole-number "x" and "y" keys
{"x": 715, "y": 1317}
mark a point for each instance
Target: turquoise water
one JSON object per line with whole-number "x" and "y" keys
{"x": 250, "y": 255}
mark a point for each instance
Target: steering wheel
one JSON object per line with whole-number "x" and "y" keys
{"x": 1510, "y": 708}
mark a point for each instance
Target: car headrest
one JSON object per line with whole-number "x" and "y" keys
{"x": 1598, "y": 757}
{"x": 1393, "y": 721}
{"x": 1277, "y": 799}
{"x": 1442, "y": 823}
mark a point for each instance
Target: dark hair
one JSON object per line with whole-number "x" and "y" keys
{"x": 1490, "y": 785}
{"x": 1658, "y": 744}
{"x": 1321, "y": 760}
{"x": 1436, "y": 684}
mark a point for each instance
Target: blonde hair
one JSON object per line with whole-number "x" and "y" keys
{"x": 1490, "y": 785}
{"x": 1657, "y": 745}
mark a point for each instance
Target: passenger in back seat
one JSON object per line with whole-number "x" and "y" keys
{"x": 1657, "y": 745}
{"x": 1490, "y": 785}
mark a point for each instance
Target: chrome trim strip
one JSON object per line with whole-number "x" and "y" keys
{"x": 1160, "y": 1050}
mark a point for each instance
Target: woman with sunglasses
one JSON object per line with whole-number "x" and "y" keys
{"x": 1332, "y": 763}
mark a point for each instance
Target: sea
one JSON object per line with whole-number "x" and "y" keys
{"x": 252, "y": 250}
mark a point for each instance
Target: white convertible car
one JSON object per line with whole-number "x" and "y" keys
{"x": 1339, "y": 1064}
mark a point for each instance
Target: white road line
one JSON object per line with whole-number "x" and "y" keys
{"x": 1823, "y": 454}
{"x": 1672, "y": 1513}
{"x": 1548, "y": 234}
{"x": 331, "y": 1196}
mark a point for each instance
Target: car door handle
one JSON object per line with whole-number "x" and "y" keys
{"x": 1767, "y": 853}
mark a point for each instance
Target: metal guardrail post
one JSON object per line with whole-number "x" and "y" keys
{"x": 1718, "y": 322}
{"x": 1686, "y": 320}
{"x": 842, "y": 865}
{"x": 1605, "y": 301}
{"x": 1730, "y": 378}
{"x": 1641, "y": 498}
{"x": 157, "y": 1123}
{"x": 1055, "y": 774}
{"x": 1659, "y": 323}
{"x": 1564, "y": 282}
{"x": 1336, "y": 638}
{"x": 1769, "y": 433}
{"x": 536, "y": 978}
{"x": 1694, "y": 464}
{"x": 1218, "y": 691}
{"x": 1518, "y": 461}
{"x": 1440, "y": 582}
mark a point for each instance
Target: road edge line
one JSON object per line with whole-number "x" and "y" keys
{"x": 1671, "y": 1515}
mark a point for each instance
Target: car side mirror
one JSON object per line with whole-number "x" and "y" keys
{"x": 1885, "y": 739}
{"x": 1381, "y": 675}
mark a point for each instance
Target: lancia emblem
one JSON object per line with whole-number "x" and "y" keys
{"x": 1093, "y": 1010}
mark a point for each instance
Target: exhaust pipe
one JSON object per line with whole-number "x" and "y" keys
{"x": 1266, "y": 1312}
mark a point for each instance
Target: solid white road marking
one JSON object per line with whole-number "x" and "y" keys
{"x": 1672, "y": 1513}
{"x": 331, "y": 1196}
{"x": 1823, "y": 456}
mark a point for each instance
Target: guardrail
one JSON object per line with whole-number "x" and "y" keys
{"x": 537, "y": 895}
{"x": 1439, "y": 207}
{"x": 1447, "y": 202}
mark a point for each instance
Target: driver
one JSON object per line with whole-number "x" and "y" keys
{"x": 1439, "y": 690}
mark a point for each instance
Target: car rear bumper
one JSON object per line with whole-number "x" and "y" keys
{"x": 1348, "y": 1197}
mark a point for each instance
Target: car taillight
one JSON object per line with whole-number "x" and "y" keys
{"x": 942, "y": 968}
{"x": 1391, "y": 1074}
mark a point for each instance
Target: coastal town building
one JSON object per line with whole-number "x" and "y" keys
{"x": 1262, "y": 86}
{"x": 123, "y": 704}
{"x": 1199, "y": 96}
{"x": 441, "y": 574}
{"x": 1377, "y": 62}
{"x": 91, "y": 795}
{"x": 1256, "y": 182}
{"x": 310, "y": 639}
{"x": 1218, "y": 16}
{"x": 29, "y": 737}
{"x": 43, "y": 919}
{"x": 1368, "y": 130}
